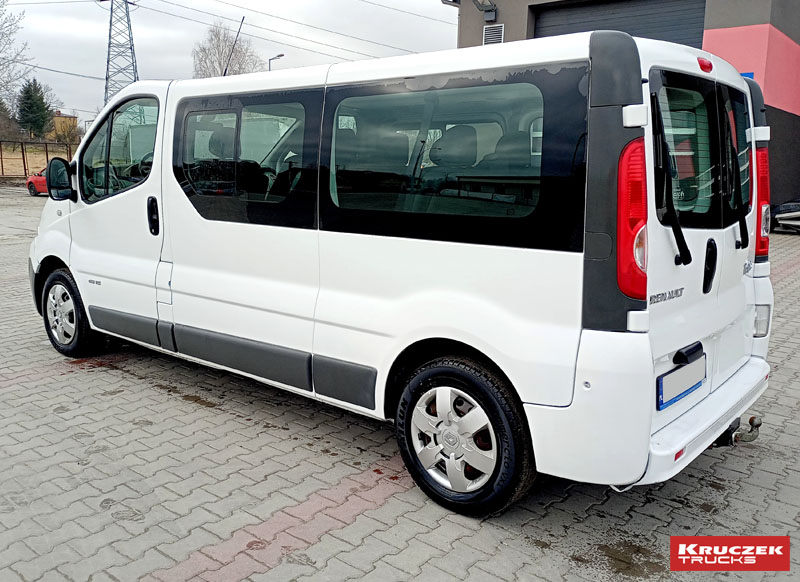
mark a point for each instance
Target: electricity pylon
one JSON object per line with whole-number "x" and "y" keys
{"x": 121, "y": 62}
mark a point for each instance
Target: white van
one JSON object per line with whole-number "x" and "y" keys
{"x": 543, "y": 256}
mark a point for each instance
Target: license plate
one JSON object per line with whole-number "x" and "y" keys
{"x": 680, "y": 382}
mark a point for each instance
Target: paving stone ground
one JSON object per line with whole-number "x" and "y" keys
{"x": 140, "y": 466}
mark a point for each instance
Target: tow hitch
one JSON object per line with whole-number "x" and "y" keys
{"x": 735, "y": 434}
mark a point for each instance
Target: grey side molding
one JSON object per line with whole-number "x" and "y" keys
{"x": 136, "y": 327}
{"x": 271, "y": 362}
{"x": 345, "y": 381}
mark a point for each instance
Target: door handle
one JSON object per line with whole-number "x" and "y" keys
{"x": 710, "y": 267}
{"x": 152, "y": 215}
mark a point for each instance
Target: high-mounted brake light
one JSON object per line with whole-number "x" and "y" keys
{"x": 763, "y": 216}
{"x": 705, "y": 65}
{"x": 632, "y": 221}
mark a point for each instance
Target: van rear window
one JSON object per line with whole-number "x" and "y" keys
{"x": 689, "y": 116}
{"x": 705, "y": 130}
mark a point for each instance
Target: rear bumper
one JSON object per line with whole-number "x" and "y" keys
{"x": 604, "y": 435}
{"x": 696, "y": 429}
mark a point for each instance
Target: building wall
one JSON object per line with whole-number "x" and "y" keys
{"x": 514, "y": 14}
{"x": 763, "y": 37}
{"x": 63, "y": 125}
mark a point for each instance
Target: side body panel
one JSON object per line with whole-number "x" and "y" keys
{"x": 242, "y": 295}
{"x": 521, "y": 307}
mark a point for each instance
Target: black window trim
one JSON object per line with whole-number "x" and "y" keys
{"x": 92, "y": 134}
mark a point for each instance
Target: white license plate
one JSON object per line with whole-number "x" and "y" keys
{"x": 680, "y": 382}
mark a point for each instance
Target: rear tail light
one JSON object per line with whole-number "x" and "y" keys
{"x": 763, "y": 212}
{"x": 632, "y": 221}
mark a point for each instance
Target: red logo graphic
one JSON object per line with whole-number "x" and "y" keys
{"x": 754, "y": 553}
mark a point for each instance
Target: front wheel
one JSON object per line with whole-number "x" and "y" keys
{"x": 32, "y": 190}
{"x": 65, "y": 317}
{"x": 464, "y": 438}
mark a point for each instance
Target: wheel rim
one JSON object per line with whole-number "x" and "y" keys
{"x": 61, "y": 314}
{"x": 453, "y": 439}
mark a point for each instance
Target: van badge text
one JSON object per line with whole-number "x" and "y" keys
{"x": 666, "y": 296}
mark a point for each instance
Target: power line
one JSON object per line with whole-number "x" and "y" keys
{"x": 49, "y": 2}
{"x": 312, "y": 26}
{"x": 263, "y": 28}
{"x": 93, "y": 112}
{"x": 407, "y": 12}
{"x": 71, "y": 74}
{"x": 271, "y": 40}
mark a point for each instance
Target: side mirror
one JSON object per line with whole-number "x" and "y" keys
{"x": 59, "y": 185}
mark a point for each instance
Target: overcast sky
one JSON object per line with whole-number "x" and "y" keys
{"x": 72, "y": 36}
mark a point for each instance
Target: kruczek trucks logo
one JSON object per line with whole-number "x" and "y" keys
{"x": 753, "y": 553}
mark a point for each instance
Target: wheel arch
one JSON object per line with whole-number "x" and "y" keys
{"x": 425, "y": 350}
{"x": 49, "y": 264}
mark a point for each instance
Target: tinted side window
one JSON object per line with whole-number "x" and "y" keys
{"x": 501, "y": 159}
{"x": 689, "y": 113}
{"x": 250, "y": 158}
{"x": 120, "y": 154}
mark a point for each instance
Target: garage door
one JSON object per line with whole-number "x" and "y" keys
{"x": 673, "y": 20}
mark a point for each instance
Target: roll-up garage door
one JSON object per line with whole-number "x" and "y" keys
{"x": 678, "y": 21}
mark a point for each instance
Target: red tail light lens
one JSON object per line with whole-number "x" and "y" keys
{"x": 632, "y": 221}
{"x": 763, "y": 217}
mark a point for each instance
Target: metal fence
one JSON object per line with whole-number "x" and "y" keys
{"x": 19, "y": 159}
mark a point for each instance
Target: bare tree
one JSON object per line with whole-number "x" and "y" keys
{"x": 12, "y": 54}
{"x": 212, "y": 53}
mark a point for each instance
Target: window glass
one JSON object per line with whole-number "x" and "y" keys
{"x": 245, "y": 164}
{"x": 109, "y": 168}
{"x": 736, "y": 122}
{"x": 93, "y": 165}
{"x": 689, "y": 117}
{"x": 476, "y": 159}
{"x": 485, "y": 157}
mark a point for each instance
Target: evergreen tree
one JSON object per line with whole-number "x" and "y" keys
{"x": 33, "y": 111}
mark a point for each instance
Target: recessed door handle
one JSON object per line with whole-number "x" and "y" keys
{"x": 152, "y": 215}
{"x": 710, "y": 267}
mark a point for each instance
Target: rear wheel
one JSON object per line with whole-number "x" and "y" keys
{"x": 464, "y": 438}
{"x": 65, "y": 318}
{"x": 32, "y": 190}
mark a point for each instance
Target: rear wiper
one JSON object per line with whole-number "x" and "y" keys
{"x": 684, "y": 256}
{"x": 738, "y": 200}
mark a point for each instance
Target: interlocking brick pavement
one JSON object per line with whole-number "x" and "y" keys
{"x": 139, "y": 466}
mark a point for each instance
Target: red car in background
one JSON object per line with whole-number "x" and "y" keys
{"x": 37, "y": 183}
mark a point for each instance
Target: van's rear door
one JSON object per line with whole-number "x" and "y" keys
{"x": 698, "y": 290}
{"x": 736, "y": 289}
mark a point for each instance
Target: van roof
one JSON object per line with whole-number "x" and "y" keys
{"x": 564, "y": 48}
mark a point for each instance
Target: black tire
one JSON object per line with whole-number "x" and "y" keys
{"x": 83, "y": 341}
{"x": 515, "y": 469}
{"x": 32, "y": 190}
